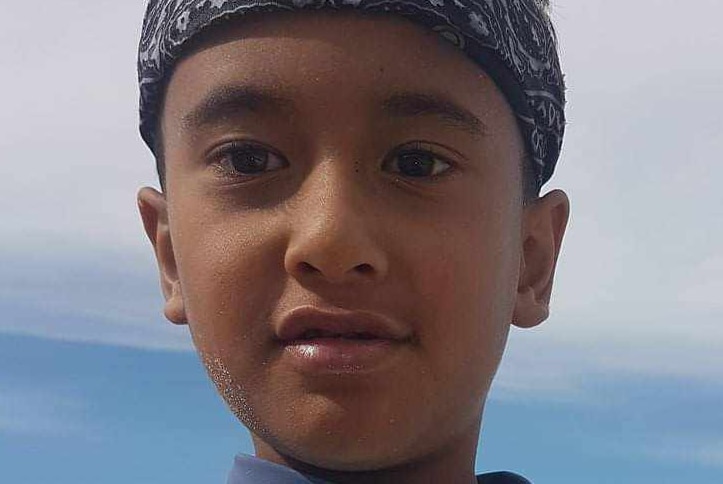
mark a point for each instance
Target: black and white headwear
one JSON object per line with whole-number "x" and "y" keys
{"x": 512, "y": 40}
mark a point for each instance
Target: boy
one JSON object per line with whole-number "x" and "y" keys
{"x": 349, "y": 219}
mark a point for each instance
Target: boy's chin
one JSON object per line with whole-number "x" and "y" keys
{"x": 344, "y": 448}
{"x": 319, "y": 456}
{"x": 363, "y": 443}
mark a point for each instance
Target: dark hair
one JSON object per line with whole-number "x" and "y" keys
{"x": 160, "y": 155}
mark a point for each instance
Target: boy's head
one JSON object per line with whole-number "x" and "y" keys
{"x": 343, "y": 229}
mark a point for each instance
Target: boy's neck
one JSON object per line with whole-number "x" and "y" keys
{"x": 454, "y": 465}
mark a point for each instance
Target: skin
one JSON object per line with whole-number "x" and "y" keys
{"x": 454, "y": 258}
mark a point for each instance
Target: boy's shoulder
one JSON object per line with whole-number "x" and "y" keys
{"x": 501, "y": 478}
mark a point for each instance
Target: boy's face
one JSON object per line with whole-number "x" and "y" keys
{"x": 317, "y": 160}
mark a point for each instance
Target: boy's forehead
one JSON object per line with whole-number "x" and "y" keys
{"x": 284, "y": 63}
{"x": 513, "y": 42}
{"x": 318, "y": 69}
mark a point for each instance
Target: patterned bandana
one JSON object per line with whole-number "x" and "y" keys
{"x": 513, "y": 41}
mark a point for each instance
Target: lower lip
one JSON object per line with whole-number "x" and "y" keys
{"x": 340, "y": 355}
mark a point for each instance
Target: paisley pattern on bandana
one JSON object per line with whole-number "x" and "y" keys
{"x": 512, "y": 40}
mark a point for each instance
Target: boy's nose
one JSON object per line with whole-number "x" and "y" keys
{"x": 333, "y": 236}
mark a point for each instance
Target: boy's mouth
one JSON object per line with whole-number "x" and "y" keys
{"x": 313, "y": 334}
{"x": 339, "y": 341}
{"x": 309, "y": 323}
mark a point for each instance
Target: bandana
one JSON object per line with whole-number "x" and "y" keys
{"x": 513, "y": 41}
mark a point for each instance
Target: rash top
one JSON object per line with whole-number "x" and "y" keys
{"x": 252, "y": 470}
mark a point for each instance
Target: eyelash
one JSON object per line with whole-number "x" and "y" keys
{"x": 224, "y": 165}
{"x": 420, "y": 148}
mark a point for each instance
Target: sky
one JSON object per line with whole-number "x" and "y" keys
{"x": 623, "y": 384}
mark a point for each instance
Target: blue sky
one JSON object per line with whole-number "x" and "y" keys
{"x": 623, "y": 384}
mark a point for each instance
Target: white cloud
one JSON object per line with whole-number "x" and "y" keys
{"x": 39, "y": 411}
{"x": 97, "y": 327}
{"x": 110, "y": 297}
{"x": 711, "y": 455}
{"x": 70, "y": 147}
{"x": 564, "y": 358}
{"x": 704, "y": 285}
{"x": 707, "y": 454}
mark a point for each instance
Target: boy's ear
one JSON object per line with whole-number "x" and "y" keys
{"x": 154, "y": 212}
{"x": 544, "y": 223}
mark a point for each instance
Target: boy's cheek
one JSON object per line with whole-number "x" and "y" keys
{"x": 230, "y": 279}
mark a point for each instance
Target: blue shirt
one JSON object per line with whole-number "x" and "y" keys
{"x": 251, "y": 470}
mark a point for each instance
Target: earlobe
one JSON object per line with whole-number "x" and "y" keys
{"x": 545, "y": 221}
{"x": 154, "y": 212}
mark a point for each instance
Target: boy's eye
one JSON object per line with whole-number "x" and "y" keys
{"x": 248, "y": 160}
{"x": 417, "y": 164}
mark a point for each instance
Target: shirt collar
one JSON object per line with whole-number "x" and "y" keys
{"x": 252, "y": 470}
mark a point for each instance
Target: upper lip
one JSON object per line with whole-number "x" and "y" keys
{"x": 310, "y": 322}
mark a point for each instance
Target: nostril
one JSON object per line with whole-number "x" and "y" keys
{"x": 365, "y": 268}
{"x": 305, "y": 268}
{"x": 336, "y": 274}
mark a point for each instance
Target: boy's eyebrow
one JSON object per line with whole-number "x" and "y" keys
{"x": 412, "y": 104}
{"x": 227, "y": 101}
